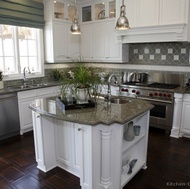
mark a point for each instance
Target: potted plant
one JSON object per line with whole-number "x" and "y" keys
{"x": 1, "y": 80}
{"x": 83, "y": 83}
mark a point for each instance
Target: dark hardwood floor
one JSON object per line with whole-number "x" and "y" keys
{"x": 168, "y": 166}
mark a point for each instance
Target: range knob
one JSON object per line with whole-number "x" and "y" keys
{"x": 168, "y": 95}
{"x": 155, "y": 94}
{"x": 150, "y": 94}
{"x": 160, "y": 94}
{"x": 133, "y": 91}
{"x": 126, "y": 90}
{"x": 164, "y": 95}
{"x": 138, "y": 92}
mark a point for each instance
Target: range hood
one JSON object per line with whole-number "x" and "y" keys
{"x": 164, "y": 33}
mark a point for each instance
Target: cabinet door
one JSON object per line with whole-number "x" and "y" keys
{"x": 64, "y": 143}
{"x": 101, "y": 41}
{"x": 185, "y": 117}
{"x": 106, "y": 46}
{"x": 131, "y": 12}
{"x": 60, "y": 41}
{"x": 114, "y": 48}
{"x": 147, "y": 12}
{"x": 172, "y": 11}
{"x": 25, "y": 115}
{"x": 87, "y": 41}
{"x": 72, "y": 43}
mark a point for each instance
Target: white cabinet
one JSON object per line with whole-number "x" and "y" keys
{"x": 87, "y": 41}
{"x": 185, "y": 126}
{"x": 24, "y": 100}
{"x": 73, "y": 148}
{"x": 60, "y": 44}
{"x": 97, "y": 44}
{"x": 97, "y": 10}
{"x": 146, "y": 15}
{"x": 155, "y": 21}
{"x": 44, "y": 141}
{"x": 172, "y": 12}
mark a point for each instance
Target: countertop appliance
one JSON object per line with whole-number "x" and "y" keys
{"x": 9, "y": 115}
{"x": 160, "y": 94}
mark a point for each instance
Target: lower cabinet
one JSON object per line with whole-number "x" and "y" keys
{"x": 185, "y": 126}
{"x": 73, "y": 149}
{"x": 24, "y": 100}
{"x": 96, "y": 154}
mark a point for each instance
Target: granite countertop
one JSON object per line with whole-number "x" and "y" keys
{"x": 18, "y": 88}
{"x": 104, "y": 113}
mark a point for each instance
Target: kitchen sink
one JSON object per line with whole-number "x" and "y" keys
{"x": 17, "y": 87}
{"x": 119, "y": 100}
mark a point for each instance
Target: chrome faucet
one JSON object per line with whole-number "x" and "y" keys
{"x": 109, "y": 86}
{"x": 24, "y": 75}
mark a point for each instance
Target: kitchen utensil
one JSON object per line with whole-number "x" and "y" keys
{"x": 124, "y": 77}
{"x": 137, "y": 129}
{"x": 142, "y": 77}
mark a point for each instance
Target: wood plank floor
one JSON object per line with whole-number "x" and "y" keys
{"x": 168, "y": 166}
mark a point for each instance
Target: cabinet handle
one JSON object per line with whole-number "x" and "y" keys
{"x": 79, "y": 129}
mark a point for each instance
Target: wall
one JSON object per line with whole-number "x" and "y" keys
{"x": 149, "y": 57}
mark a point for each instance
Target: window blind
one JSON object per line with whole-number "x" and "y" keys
{"x": 26, "y": 13}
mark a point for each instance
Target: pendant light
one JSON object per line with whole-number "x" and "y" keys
{"x": 122, "y": 21}
{"x": 75, "y": 29}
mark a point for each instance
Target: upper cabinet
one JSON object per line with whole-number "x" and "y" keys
{"x": 60, "y": 44}
{"x": 97, "y": 10}
{"x": 155, "y": 21}
{"x": 98, "y": 42}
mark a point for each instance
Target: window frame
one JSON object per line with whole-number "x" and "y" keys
{"x": 17, "y": 57}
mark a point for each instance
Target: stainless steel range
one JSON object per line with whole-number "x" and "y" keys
{"x": 160, "y": 94}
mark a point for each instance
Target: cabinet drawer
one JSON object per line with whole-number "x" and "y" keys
{"x": 48, "y": 91}
{"x": 27, "y": 94}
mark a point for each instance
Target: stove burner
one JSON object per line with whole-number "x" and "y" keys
{"x": 163, "y": 85}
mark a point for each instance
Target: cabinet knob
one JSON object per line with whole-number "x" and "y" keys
{"x": 38, "y": 116}
{"x": 79, "y": 129}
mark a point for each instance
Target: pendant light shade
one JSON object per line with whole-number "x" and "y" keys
{"x": 75, "y": 29}
{"x": 122, "y": 21}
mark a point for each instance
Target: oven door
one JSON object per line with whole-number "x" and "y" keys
{"x": 161, "y": 116}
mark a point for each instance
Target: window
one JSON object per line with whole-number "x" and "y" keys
{"x": 20, "y": 47}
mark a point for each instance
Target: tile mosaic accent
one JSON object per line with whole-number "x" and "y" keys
{"x": 173, "y": 53}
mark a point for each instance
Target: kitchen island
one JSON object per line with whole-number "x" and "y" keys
{"x": 89, "y": 142}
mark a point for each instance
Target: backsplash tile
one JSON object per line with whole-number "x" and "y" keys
{"x": 159, "y": 53}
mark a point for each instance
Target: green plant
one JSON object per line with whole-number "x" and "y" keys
{"x": 81, "y": 76}
{"x": 1, "y": 75}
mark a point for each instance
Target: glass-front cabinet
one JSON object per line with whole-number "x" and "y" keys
{"x": 64, "y": 10}
{"x": 87, "y": 13}
{"x": 112, "y": 9}
{"x": 98, "y": 10}
{"x": 59, "y": 9}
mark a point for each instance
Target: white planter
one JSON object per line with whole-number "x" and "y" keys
{"x": 82, "y": 95}
{"x": 1, "y": 85}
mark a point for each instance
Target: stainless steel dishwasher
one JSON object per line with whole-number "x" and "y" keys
{"x": 9, "y": 115}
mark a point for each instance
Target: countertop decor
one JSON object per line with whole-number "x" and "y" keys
{"x": 83, "y": 84}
